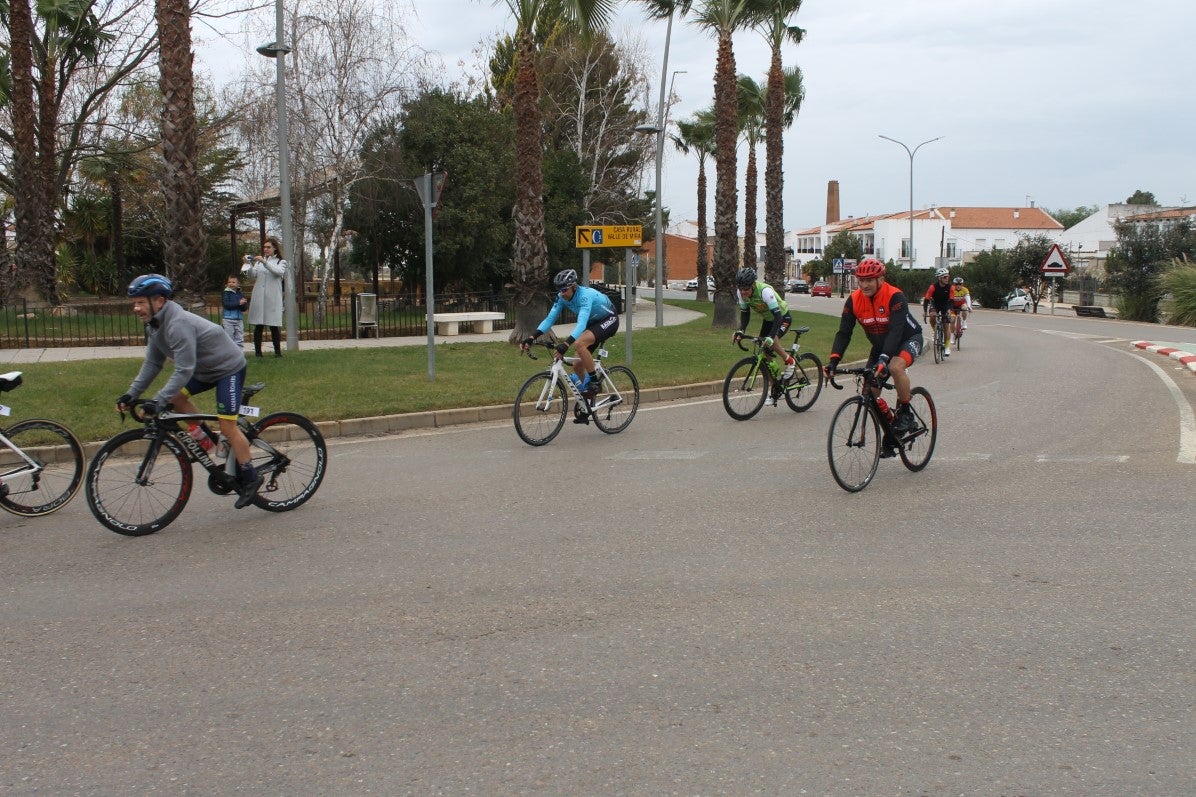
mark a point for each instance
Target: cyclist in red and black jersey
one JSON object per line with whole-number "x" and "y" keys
{"x": 896, "y": 337}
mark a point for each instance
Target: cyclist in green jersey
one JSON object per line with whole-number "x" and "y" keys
{"x": 753, "y": 294}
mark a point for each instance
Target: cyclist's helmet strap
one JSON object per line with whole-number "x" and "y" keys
{"x": 745, "y": 277}
{"x": 151, "y": 285}
{"x": 565, "y": 279}
{"x": 869, "y": 268}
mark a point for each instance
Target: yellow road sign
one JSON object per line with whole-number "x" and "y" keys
{"x": 610, "y": 235}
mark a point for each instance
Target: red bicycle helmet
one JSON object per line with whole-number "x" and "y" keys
{"x": 868, "y": 268}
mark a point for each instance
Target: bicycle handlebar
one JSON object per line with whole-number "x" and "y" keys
{"x": 865, "y": 372}
{"x": 545, "y": 343}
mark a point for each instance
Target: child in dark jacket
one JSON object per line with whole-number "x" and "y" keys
{"x": 234, "y": 303}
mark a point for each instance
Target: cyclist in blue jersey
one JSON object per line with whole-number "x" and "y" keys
{"x": 596, "y": 321}
{"x": 204, "y": 358}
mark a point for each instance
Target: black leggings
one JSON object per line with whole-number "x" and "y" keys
{"x": 275, "y": 336}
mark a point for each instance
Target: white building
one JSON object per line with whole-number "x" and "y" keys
{"x": 954, "y": 234}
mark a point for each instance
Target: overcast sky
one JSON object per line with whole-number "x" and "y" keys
{"x": 1057, "y": 102}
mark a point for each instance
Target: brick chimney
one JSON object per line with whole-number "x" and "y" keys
{"x": 832, "y": 201}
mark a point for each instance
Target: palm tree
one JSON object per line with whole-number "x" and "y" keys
{"x": 26, "y": 197}
{"x": 723, "y": 18}
{"x": 784, "y": 98}
{"x": 185, "y": 246}
{"x": 751, "y": 126}
{"x": 529, "y": 271}
{"x": 697, "y": 135}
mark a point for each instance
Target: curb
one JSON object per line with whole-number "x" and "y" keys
{"x": 1187, "y": 358}
{"x": 438, "y": 419}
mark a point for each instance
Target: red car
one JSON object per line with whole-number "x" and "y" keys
{"x": 821, "y": 288}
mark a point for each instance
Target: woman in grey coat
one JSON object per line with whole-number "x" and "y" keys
{"x": 265, "y": 304}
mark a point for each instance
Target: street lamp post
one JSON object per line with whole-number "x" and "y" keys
{"x": 277, "y": 50}
{"x": 911, "y": 154}
{"x": 659, "y": 130}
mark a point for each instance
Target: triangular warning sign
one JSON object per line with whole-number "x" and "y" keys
{"x": 1055, "y": 262}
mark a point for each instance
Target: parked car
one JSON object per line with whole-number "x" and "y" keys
{"x": 798, "y": 286}
{"x": 1018, "y": 300}
{"x": 692, "y": 285}
{"x": 821, "y": 289}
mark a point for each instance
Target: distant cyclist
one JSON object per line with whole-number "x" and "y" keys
{"x": 896, "y": 337}
{"x": 941, "y": 296}
{"x": 962, "y": 300}
{"x": 753, "y": 294}
{"x": 204, "y": 358}
{"x": 596, "y": 321}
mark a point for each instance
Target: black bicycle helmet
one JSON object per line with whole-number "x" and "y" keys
{"x": 565, "y": 279}
{"x": 745, "y": 277}
{"x": 151, "y": 285}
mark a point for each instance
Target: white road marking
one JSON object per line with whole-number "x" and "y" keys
{"x": 1187, "y": 419}
{"x": 1083, "y": 460}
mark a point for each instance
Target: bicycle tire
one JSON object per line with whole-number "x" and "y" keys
{"x": 806, "y": 383}
{"x": 613, "y": 413}
{"x": 123, "y": 504}
{"x": 745, "y": 388}
{"x": 958, "y": 339}
{"x": 918, "y": 446}
{"x": 537, "y": 424}
{"x": 938, "y": 342}
{"x": 853, "y": 445}
{"x": 290, "y": 455}
{"x": 59, "y": 457}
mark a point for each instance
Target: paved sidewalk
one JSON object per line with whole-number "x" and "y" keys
{"x": 1175, "y": 351}
{"x": 643, "y": 317}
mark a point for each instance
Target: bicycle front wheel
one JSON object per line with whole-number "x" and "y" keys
{"x": 53, "y": 479}
{"x": 853, "y": 445}
{"x": 806, "y": 383}
{"x": 138, "y": 483}
{"x": 540, "y": 409}
{"x": 290, "y": 455}
{"x": 745, "y": 388}
{"x": 938, "y": 343}
{"x": 619, "y": 400}
{"x": 918, "y": 445}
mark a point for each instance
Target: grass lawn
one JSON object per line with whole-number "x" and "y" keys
{"x": 333, "y": 384}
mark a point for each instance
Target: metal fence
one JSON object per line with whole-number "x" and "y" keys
{"x": 110, "y": 322}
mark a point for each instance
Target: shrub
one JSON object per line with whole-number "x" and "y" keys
{"x": 1179, "y": 280}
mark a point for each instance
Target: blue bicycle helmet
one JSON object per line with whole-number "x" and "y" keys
{"x": 151, "y": 285}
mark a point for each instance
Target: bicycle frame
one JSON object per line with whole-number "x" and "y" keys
{"x": 560, "y": 375}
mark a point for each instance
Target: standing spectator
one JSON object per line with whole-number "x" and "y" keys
{"x": 265, "y": 307}
{"x": 234, "y": 303}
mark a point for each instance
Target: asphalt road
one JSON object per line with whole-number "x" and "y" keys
{"x": 690, "y": 607}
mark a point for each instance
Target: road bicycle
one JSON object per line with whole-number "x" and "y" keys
{"x": 957, "y": 329}
{"x": 939, "y": 344}
{"x": 140, "y": 480}
{"x": 41, "y": 462}
{"x": 757, "y": 377}
{"x": 861, "y": 432}
{"x": 543, "y": 402}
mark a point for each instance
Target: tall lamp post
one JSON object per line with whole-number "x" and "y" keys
{"x": 276, "y": 50}
{"x": 911, "y": 154}
{"x": 659, "y": 129}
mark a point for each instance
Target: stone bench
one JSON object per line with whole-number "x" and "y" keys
{"x": 1089, "y": 310}
{"x": 481, "y": 321}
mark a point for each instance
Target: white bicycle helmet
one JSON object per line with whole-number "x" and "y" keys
{"x": 941, "y": 272}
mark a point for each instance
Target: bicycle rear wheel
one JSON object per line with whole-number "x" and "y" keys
{"x": 745, "y": 388}
{"x": 31, "y": 491}
{"x": 290, "y": 455}
{"x": 918, "y": 445}
{"x": 540, "y": 411}
{"x": 138, "y": 483}
{"x": 853, "y": 445}
{"x": 618, "y": 401}
{"x": 806, "y": 383}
